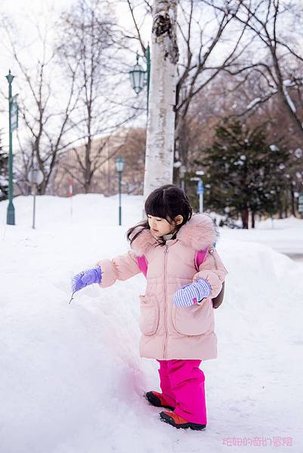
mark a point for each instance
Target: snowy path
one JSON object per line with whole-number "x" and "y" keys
{"x": 71, "y": 378}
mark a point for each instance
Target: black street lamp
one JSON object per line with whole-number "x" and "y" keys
{"x": 119, "y": 168}
{"x": 12, "y": 125}
{"x": 139, "y": 77}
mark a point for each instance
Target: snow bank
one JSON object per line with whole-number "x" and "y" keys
{"x": 71, "y": 377}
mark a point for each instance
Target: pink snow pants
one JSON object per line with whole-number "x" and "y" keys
{"x": 182, "y": 385}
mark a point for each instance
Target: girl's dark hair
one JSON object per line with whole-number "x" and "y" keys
{"x": 166, "y": 202}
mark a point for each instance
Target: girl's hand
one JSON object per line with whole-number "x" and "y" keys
{"x": 192, "y": 294}
{"x": 86, "y": 278}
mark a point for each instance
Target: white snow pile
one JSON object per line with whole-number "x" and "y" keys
{"x": 71, "y": 377}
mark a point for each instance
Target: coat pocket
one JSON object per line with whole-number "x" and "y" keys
{"x": 149, "y": 315}
{"x": 194, "y": 320}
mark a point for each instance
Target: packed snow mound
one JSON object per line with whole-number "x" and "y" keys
{"x": 72, "y": 380}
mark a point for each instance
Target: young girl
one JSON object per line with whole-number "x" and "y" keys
{"x": 175, "y": 250}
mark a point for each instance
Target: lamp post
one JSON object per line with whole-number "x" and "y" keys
{"x": 140, "y": 77}
{"x": 12, "y": 125}
{"x": 119, "y": 168}
{"x": 200, "y": 188}
{"x": 200, "y": 192}
{"x": 35, "y": 177}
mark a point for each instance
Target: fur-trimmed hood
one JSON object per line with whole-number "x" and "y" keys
{"x": 198, "y": 233}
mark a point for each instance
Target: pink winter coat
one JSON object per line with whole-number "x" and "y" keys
{"x": 169, "y": 332}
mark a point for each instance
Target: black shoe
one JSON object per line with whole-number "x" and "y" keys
{"x": 157, "y": 399}
{"x": 179, "y": 422}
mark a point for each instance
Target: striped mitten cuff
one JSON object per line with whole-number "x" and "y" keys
{"x": 192, "y": 294}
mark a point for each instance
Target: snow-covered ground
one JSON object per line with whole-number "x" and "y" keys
{"x": 285, "y": 236}
{"x": 71, "y": 378}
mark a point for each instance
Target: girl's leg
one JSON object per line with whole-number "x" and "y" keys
{"x": 165, "y": 383}
{"x": 187, "y": 385}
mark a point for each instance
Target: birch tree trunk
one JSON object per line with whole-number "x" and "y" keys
{"x": 159, "y": 157}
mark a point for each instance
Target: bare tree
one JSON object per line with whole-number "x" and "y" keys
{"x": 88, "y": 45}
{"x": 278, "y": 61}
{"x": 211, "y": 42}
{"x": 201, "y": 31}
{"x": 46, "y": 121}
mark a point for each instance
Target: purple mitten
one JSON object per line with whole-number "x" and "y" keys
{"x": 192, "y": 294}
{"x": 86, "y": 278}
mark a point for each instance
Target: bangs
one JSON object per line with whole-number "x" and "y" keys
{"x": 158, "y": 207}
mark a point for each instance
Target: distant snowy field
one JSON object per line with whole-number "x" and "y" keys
{"x": 71, "y": 378}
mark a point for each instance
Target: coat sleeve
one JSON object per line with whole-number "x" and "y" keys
{"x": 120, "y": 268}
{"x": 212, "y": 269}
